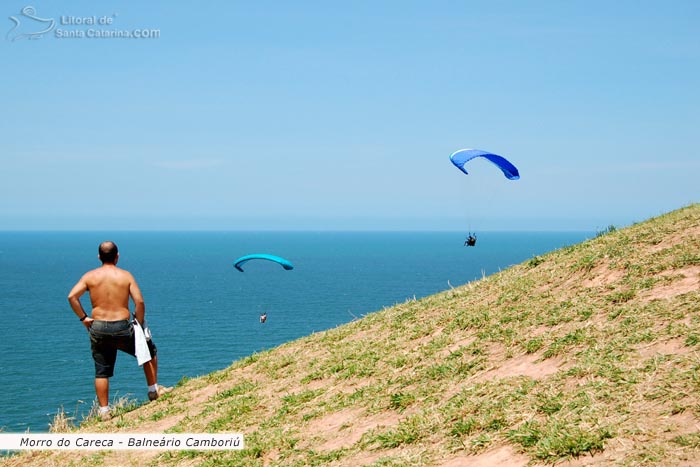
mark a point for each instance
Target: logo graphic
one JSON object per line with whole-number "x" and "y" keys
{"x": 32, "y": 22}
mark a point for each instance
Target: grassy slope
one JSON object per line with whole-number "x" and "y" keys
{"x": 589, "y": 353}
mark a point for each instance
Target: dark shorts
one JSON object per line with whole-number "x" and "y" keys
{"x": 106, "y": 337}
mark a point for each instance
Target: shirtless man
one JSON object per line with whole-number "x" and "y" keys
{"x": 110, "y": 326}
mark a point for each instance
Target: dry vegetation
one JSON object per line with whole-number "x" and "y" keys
{"x": 584, "y": 356}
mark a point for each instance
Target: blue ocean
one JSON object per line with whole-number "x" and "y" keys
{"x": 203, "y": 313}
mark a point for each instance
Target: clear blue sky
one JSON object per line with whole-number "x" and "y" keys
{"x": 342, "y": 115}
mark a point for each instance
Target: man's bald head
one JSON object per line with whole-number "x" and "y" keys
{"x": 108, "y": 252}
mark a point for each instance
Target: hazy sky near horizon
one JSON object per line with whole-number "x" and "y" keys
{"x": 327, "y": 115}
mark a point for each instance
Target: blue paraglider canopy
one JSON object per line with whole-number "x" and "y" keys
{"x": 244, "y": 259}
{"x": 461, "y": 157}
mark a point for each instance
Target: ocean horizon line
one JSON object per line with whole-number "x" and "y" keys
{"x": 224, "y": 230}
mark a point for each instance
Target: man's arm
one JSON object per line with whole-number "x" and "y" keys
{"x": 139, "y": 304}
{"x": 74, "y": 299}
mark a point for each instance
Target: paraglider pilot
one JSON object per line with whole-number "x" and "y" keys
{"x": 471, "y": 240}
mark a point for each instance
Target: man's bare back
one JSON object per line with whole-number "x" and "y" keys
{"x": 110, "y": 288}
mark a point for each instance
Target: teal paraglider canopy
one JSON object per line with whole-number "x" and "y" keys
{"x": 244, "y": 259}
{"x": 461, "y": 157}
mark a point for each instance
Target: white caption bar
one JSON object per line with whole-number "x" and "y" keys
{"x": 135, "y": 441}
